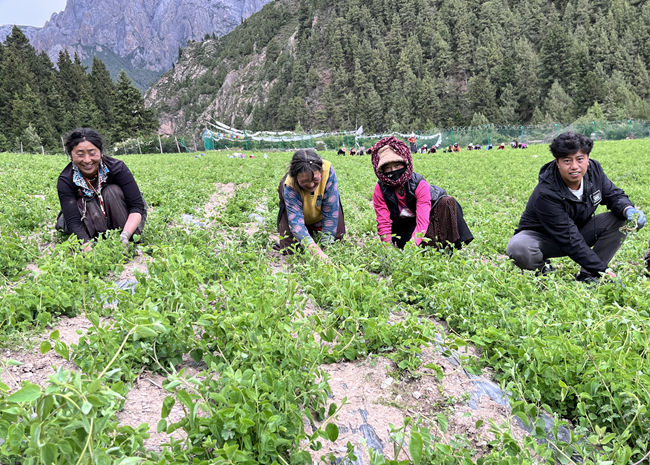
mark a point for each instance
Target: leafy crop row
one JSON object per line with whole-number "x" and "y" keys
{"x": 209, "y": 295}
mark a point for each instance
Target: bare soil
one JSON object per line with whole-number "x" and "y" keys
{"x": 219, "y": 199}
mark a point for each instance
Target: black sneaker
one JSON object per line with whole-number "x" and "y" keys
{"x": 545, "y": 269}
{"x": 586, "y": 277}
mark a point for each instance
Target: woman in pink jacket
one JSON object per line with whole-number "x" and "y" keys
{"x": 407, "y": 207}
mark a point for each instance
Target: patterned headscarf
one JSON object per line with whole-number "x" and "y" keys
{"x": 402, "y": 150}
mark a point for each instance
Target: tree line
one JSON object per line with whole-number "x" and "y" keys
{"x": 41, "y": 102}
{"x": 419, "y": 64}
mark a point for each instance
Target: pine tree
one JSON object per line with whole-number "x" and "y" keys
{"x": 555, "y": 57}
{"x": 103, "y": 92}
{"x": 27, "y": 109}
{"x": 30, "y": 140}
{"x": 131, "y": 118}
{"x": 558, "y": 104}
{"x": 481, "y": 98}
{"x": 507, "y": 109}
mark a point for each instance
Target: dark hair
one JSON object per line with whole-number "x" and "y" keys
{"x": 569, "y": 143}
{"x": 305, "y": 160}
{"x": 76, "y": 136}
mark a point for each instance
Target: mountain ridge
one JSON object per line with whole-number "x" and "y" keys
{"x": 147, "y": 32}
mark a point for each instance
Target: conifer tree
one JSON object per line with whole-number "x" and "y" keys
{"x": 30, "y": 140}
{"x": 130, "y": 117}
{"x": 555, "y": 57}
{"x": 558, "y": 104}
{"x": 103, "y": 92}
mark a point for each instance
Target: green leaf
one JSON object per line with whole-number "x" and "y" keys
{"x": 45, "y": 347}
{"x": 197, "y": 355}
{"x": 443, "y": 422}
{"x": 86, "y": 407}
{"x": 49, "y": 454}
{"x": 184, "y": 398}
{"x": 415, "y": 447}
{"x": 168, "y": 403}
{"x": 130, "y": 461}
{"x": 608, "y": 438}
{"x": 54, "y": 335}
{"x": 162, "y": 425}
{"x": 332, "y": 432}
{"x": 332, "y": 409}
{"x": 145, "y": 332}
{"x": 28, "y": 393}
{"x": 61, "y": 348}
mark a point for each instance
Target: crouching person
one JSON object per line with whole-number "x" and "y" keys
{"x": 407, "y": 207}
{"x": 310, "y": 209}
{"x": 559, "y": 218}
{"x": 97, "y": 193}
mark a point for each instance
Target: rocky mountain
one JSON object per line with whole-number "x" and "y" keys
{"x": 143, "y": 34}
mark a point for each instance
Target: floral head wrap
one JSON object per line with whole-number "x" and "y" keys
{"x": 401, "y": 149}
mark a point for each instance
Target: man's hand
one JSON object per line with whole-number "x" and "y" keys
{"x": 640, "y": 218}
{"x": 124, "y": 239}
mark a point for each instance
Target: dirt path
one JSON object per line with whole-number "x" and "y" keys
{"x": 36, "y": 367}
{"x": 218, "y": 201}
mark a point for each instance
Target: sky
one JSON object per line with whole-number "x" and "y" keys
{"x": 28, "y": 12}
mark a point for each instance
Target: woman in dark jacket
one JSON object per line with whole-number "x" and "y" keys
{"x": 97, "y": 193}
{"x": 407, "y": 207}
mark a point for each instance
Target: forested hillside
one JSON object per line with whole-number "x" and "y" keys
{"x": 39, "y": 102}
{"x": 415, "y": 64}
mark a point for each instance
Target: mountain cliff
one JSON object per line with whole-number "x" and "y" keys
{"x": 143, "y": 34}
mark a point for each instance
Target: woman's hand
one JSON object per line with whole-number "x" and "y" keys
{"x": 316, "y": 250}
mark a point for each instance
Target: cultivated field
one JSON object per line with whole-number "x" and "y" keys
{"x": 233, "y": 353}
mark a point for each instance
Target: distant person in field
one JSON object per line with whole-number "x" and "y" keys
{"x": 559, "y": 219}
{"x": 413, "y": 143}
{"x": 433, "y": 149}
{"x": 310, "y": 208}
{"x": 97, "y": 193}
{"x": 408, "y": 207}
{"x": 341, "y": 151}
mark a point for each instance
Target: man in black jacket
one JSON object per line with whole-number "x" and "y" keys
{"x": 559, "y": 218}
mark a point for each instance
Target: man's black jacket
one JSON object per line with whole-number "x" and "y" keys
{"x": 553, "y": 210}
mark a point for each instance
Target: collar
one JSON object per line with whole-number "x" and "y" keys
{"x": 78, "y": 179}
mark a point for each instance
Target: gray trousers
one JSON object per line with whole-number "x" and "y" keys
{"x": 530, "y": 249}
